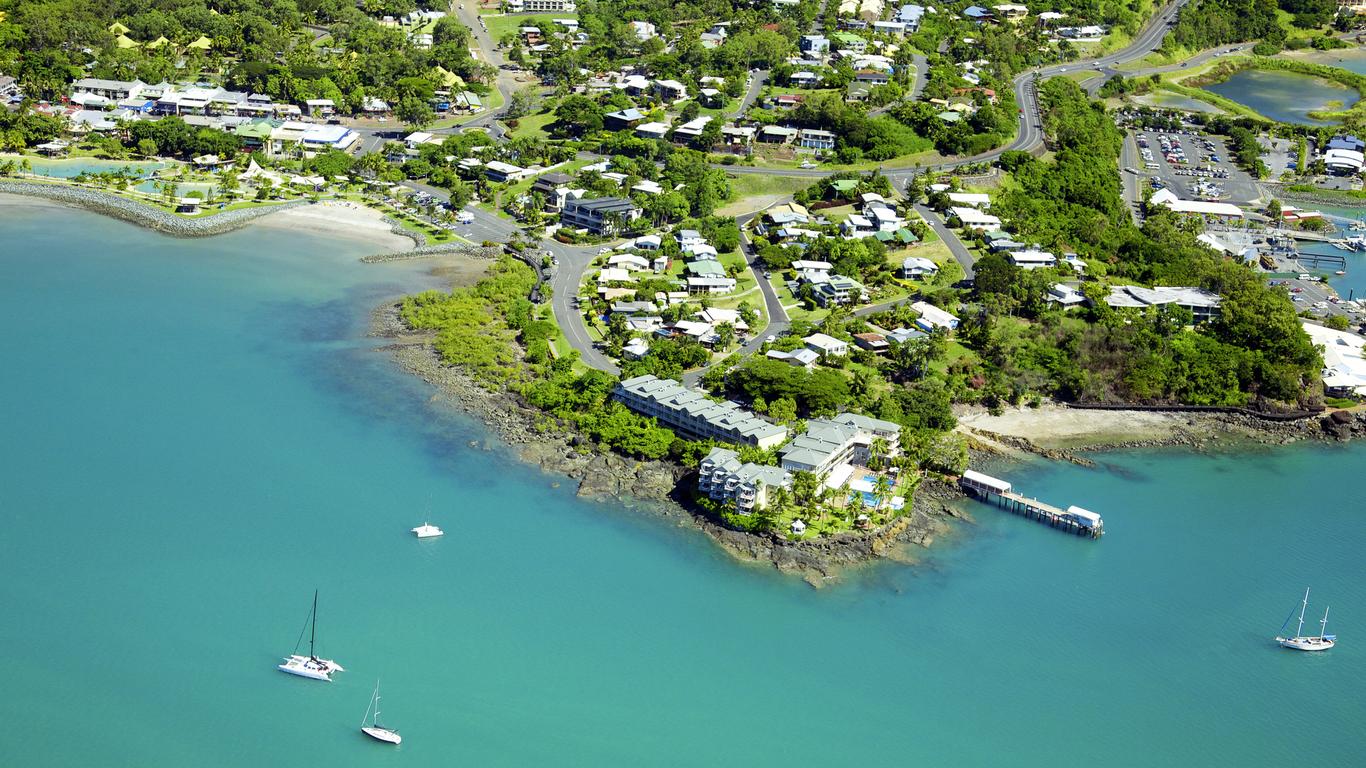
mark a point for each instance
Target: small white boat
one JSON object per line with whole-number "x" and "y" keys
{"x": 1300, "y": 642}
{"x": 310, "y": 666}
{"x": 374, "y": 730}
{"x": 427, "y": 531}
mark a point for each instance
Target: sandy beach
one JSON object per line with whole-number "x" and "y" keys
{"x": 340, "y": 219}
{"x": 1053, "y": 426}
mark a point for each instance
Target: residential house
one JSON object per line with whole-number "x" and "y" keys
{"x": 670, "y": 90}
{"x": 711, "y": 285}
{"x": 540, "y": 6}
{"x": 1032, "y": 258}
{"x": 500, "y": 172}
{"x": 814, "y": 45}
{"x": 802, "y": 357}
{"x": 918, "y": 268}
{"x": 320, "y": 107}
{"x": 692, "y": 129}
{"x": 932, "y": 317}
{"x": 1065, "y": 296}
{"x": 871, "y": 342}
{"x": 872, "y": 77}
{"x": 1203, "y": 304}
{"x": 972, "y": 218}
{"x": 826, "y": 346}
{"x": 644, "y": 30}
{"x": 805, "y": 79}
{"x": 777, "y": 134}
{"x": 812, "y": 138}
{"x": 652, "y": 130}
{"x": 601, "y": 215}
{"x": 621, "y": 119}
{"x": 737, "y": 136}
{"x": 839, "y": 289}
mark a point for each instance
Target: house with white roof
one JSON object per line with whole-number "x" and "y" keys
{"x": 918, "y": 268}
{"x": 932, "y": 317}
{"x": 1201, "y": 303}
{"x": 1031, "y": 258}
{"x": 1344, "y": 363}
{"x": 971, "y": 218}
{"x": 1065, "y": 296}
{"x": 826, "y": 346}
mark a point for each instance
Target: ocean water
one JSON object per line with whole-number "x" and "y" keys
{"x": 197, "y": 435}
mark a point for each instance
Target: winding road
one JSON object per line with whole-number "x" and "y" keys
{"x": 574, "y": 261}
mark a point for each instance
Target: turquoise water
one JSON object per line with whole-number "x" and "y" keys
{"x": 1284, "y": 96}
{"x": 197, "y": 435}
{"x": 74, "y": 167}
{"x": 1353, "y": 59}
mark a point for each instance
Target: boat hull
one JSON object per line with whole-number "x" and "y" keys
{"x": 382, "y": 734}
{"x": 1307, "y": 643}
{"x": 313, "y": 669}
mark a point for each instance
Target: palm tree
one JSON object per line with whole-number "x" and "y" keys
{"x": 725, "y": 336}
{"x": 882, "y": 491}
{"x": 877, "y": 453}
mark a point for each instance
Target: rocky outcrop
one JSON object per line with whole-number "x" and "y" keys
{"x": 656, "y": 486}
{"x": 140, "y": 213}
{"x": 433, "y": 250}
{"x": 1344, "y": 425}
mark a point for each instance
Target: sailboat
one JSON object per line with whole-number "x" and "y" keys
{"x": 310, "y": 666}
{"x": 1299, "y": 642}
{"x": 374, "y": 730}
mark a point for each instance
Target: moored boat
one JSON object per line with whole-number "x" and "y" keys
{"x": 374, "y": 730}
{"x": 1302, "y": 642}
{"x": 310, "y": 666}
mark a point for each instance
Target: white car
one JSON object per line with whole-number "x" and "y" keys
{"x": 770, "y": 339}
{"x": 808, "y": 164}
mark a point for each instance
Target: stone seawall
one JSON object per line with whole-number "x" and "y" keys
{"x": 142, "y": 214}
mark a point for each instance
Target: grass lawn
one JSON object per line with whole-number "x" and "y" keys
{"x": 501, "y": 25}
{"x": 533, "y": 126}
{"x": 752, "y": 192}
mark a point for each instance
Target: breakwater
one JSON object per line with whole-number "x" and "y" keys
{"x": 142, "y": 214}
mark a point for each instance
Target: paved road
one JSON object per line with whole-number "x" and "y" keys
{"x": 960, "y": 252}
{"x": 756, "y": 84}
{"x": 573, "y": 261}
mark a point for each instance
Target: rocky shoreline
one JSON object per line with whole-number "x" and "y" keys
{"x": 654, "y": 486}
{"x": 135, "y": 212}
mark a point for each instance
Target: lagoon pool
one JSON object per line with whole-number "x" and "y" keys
{"x": 1287, "y": 97}
{"x": 66, "y": 169}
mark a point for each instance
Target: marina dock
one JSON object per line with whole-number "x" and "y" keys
{"x": 1075, "y": 520}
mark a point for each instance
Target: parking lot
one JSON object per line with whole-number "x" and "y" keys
{"x": 1318, "y": 299}
{"x": 1192, "y": 165}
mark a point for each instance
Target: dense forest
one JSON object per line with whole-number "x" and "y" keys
{"x": 1255, "y": 351}
{"x": 266, "y": 46}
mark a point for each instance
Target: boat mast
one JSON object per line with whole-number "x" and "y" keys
{"x": 313, "y": 633}
{"x": 1323, "y": 625}
{"x": 1298, "y": 632}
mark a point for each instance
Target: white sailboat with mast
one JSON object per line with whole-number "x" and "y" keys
{"x": 310, "y": 666}
{"x": 1319, "y": 642}
{"x": 374, "y": 730}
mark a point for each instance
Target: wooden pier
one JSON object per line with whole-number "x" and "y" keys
{"x": 1074, "y": 520}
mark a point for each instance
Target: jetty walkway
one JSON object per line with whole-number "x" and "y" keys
{"x": 1075, "y": 520}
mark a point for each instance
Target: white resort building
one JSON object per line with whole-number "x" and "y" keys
{"x": 723, "y": 477}
{"x": 694, "y": 414}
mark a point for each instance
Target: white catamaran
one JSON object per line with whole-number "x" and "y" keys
{"x": 1299, "y": 642}
{"x": 374, "y": 730}
{"x": 310, "y": 666}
